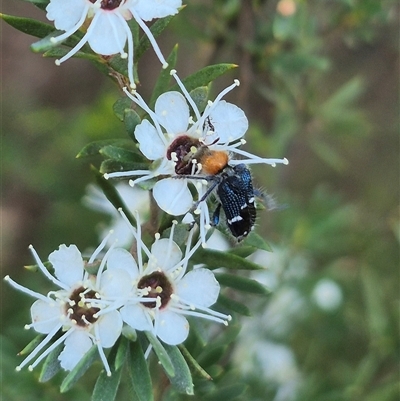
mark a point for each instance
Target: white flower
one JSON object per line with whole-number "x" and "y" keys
{"x": 135, "y": 199}
{"x": 327, "y": 294}
{"x": 180, "y": 145}
{"x": 84, "y": 309}
{"x": 108, "y": 30}
{"x": 165, "y": 293}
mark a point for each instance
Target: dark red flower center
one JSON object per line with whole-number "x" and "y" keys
{"x": 81, "y": 306}
{"x": 157, "y": 285}
{"x": 108, "y": 4}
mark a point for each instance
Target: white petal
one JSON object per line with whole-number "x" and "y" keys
{"x": 137, "y": 317}
{"x": 173, "y": 196}
{"x": 172, "y": 112}
{"x": 116, "y": 283}
{"x": 166, "y": 253}
{"x": 229, "y": 122}
{"x": 119, "y": 258}
{"x": 104, "y": 40}
{"x": 46, "y": 315}
{"x": 76, "y": 346}
{"x": 110, "y": 327}
{"x": 68, "y": 264}
{"x": 199, "y": 287}
{"x": 65, "y": 14}
{"x": 149, "y": 9}
{"x": 150, "y": 144}
{"x": 172, "y": 328}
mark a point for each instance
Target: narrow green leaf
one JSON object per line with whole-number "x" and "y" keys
{"x": 106, "y": 387}
{"x": 156, "y": 30}
{"x": 79, "y": 370}
{"x": 51, "y": 365}
{"x": 28, "y": 25}
{"x": 121, "y": 154}
{"x": 212, "y": 355}
{"x": 162, "y": 355}
{"x": 59, "y": 52}
{"x": 226, "y": 393}
{"x": 182, "y": 380}
{"x": 111, "y": 166}
{"x": 32, "y": 345}
{"x": 122, "y": 353}
{"x": 193, "y": 363}
{"x": 42, "y": 4}
{"x": 94, "y": 148}
{"x": 215, "y": 259}
{"x": 258, "y": 242}
{"x": 204, "y": 76}
{"x": 200, "y": 97}
{"x": 121, "y": 105}
{"x": 112, "y": 194}
{"x": 241, "y": 283}
{"x": 234, "y": 306}
{"x": 139, "y": 373}
{"x": 46, "y": 44}
{"x": 131, "y": 121}
{"x": 242, "y": 251}
{"x": 164, "y": 79}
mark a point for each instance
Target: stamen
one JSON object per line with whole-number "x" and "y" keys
{"x": 74, "y": 28}
{"x": 82, "y": 42}
{"x": 150, "y": 36}
{"x": 186, "y": 93}
{"x": 45, "y": 341}
{"x": 101, "y": 351}
{"x": 130, "y": 50}
{"x": 100, "y": 247}
{"x": 45, "y": 271}
{"x": 21, "y": 288}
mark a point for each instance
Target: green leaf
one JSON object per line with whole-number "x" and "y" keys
{"x": 242, "y": 251}
{"x": 156, "y": 30}
{"x": 111, "y": 166}
{"x": 212, "y": 355}
{"x": 182, "y": 380}
{"x": 193, "y": 363}
{"x": 120, "y": 154}
{"x": 112, "y": 194}
{"x": 131, "y": 121}
{"x": 28, "y": 25}
{"x": 122, "y": 353}
{"x": 226, "y": 393}
{"x": 32, "y": 345}
{"x": 42, "y": 4}
{"x": 139, "y": 373}
{"x": 78, "y": 371}
{"x": 258, "y": 242}
{"x": 59, "y": 52}
{"x": 204, "y": 76}
{"x": 106, "y": 387}
{"x": 46, "y": 44}
{"x": 241, "y": 283}
{"x": 234, "y": 306}
{"x": 215, "y": 259}
{"x": 163, "y": 80}
{"x": 51, "y": 365}
{"x": 162, "y": 355}
{"x": 121, "y": 105}
{"x": 94, "y": 148}
{"x": 200, "y": 97}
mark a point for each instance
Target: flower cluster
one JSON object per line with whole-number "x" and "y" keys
{"x": 151, "y": 294}
{"x": 192, "y": 152}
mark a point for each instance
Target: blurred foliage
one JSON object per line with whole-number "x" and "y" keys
{"x": 319, "y": 86}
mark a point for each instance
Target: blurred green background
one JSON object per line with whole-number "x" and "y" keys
{"x": 319, "y": 84}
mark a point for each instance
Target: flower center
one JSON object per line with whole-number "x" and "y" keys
{"x": 80, "y": 307}
{"x": 108, "y": 4}
{"x": 158, "y": 286}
